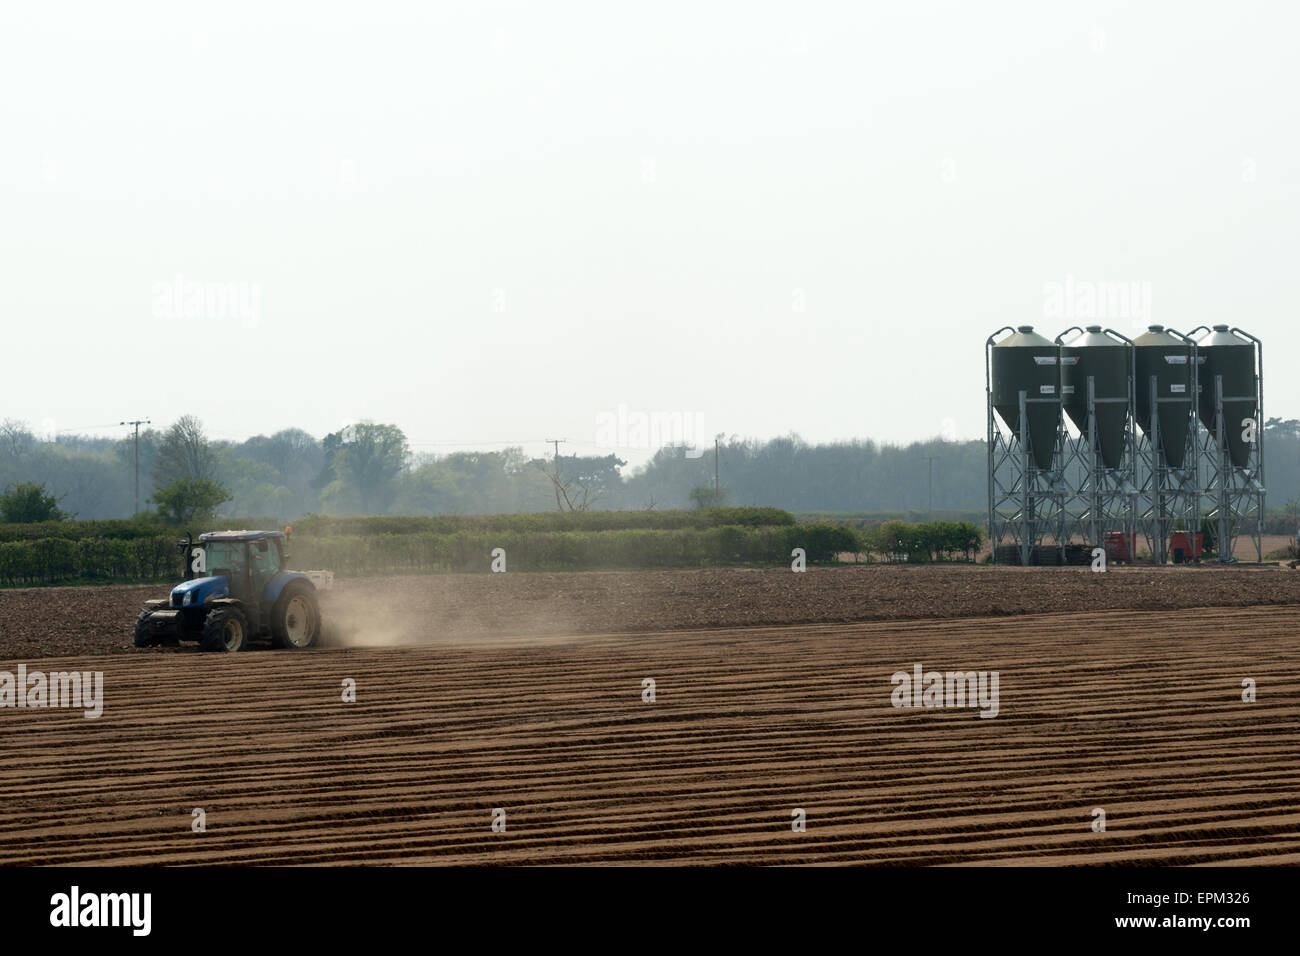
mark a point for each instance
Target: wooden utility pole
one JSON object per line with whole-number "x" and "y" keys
{"x": 930, "y": 459}
{"x": 557, "y": 442}
{"x": 717, "y": 497}
{"x": 137, "y": 424}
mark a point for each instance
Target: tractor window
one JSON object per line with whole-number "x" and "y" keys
{"x": 225, "y": 557}
{"x": 266, "y": 557}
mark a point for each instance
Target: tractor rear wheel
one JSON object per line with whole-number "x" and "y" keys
{"x": 224, "y": 629}
{"x": 295, "y": 620}
{"x": 144, "y": 636}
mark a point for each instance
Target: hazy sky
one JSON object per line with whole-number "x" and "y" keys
{"x": 492, "y": 223}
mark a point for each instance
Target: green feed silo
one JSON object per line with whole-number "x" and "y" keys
{"x": 1106, "y": 360}
{"x": 1224, "y": 353}
{"x": 1025, "y": 361}
{"x": 1169, "y": 359}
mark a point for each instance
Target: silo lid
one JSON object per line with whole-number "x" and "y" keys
{"x": 1094, "y": 337}
{"x": 1025, "y": 338}
{"x": 1220, "y": 336}
{"x": 1158, "y": 335}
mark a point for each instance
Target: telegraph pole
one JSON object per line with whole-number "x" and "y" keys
{"x": 557, "y": 442}
{"x": 717, "y": 497}
{"x": 137, "y": 424}
{"x": 930, "y": 462}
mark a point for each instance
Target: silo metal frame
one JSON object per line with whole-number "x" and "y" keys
{"x": 1102, "y": 497}
{"x": 1026, "y": 503}
{"x": 1234, "y": 495}
{"x": 1173, "y": 494}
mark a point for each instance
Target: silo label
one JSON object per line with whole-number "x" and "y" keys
{"x": 1069, "y": 360}
{"x": 1176, "y": 359}
{"x": 1047, "y": 390}
{"x": 1178, "y": 388}
{"x": 1067, "y": 389}
{"x": 1044, "y": 359}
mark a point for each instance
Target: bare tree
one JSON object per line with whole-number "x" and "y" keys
{"x": 185, "y": 453}
{"x": 16, "y": 439}
{"x": 580, "y": 482}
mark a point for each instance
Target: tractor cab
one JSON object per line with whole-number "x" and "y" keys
{"x": 236, "y": 587}
{"x": 239, "y": 564}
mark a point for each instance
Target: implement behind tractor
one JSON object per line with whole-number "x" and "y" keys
{"x": 236, "y": 589}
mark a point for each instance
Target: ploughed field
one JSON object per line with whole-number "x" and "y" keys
{"x": 525, "y": 693}
{"x": 43, "y": 622}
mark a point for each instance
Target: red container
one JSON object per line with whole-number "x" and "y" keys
{"x": 1120, "y": 547}
{"x": 1185, "y": 546}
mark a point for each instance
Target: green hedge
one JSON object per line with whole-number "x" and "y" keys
{"x": 531, "y": 542}
{"x": 630, "y": 548}
{"x": 60, "y": 560}
{"x": 392, "y": 524}
{"x": 865, "y": 520}
{"x": 80, "y": 530}
{"x": 325, "y": 525}
{"x": 123, "y": 530}
{"x": 924, "y": 542}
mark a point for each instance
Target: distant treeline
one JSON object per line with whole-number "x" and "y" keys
{"x": 369, "y": 469}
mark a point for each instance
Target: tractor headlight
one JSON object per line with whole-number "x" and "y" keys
{"x": 189, "y": 597}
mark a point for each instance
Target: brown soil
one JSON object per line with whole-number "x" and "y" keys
{"x": 524, "y": 692}
{"x": 1137, "y": 713}
{"x": 43, "y": 622}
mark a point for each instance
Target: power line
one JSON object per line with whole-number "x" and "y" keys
{"x": 87, "y": 428}
{"x": 493, "y": 441}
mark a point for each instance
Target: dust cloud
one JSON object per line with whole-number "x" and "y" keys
{"x": 381, "y": 615}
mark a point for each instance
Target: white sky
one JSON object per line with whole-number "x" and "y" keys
{"x": 653, "y": 188}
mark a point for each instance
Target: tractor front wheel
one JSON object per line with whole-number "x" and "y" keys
{"x": 295, "y": 620}
{"x": 224, "y": 629}
{"x": 144, "y": 636}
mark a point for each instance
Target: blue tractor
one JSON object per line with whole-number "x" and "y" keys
{"x": 236, "y": 589}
